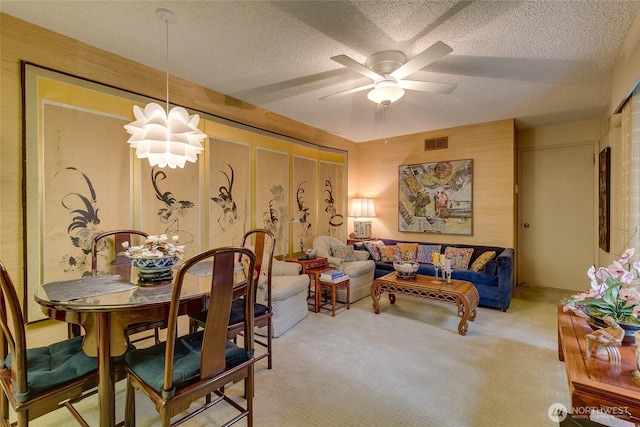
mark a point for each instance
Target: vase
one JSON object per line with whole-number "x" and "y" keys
{"x": 154, "y": 269}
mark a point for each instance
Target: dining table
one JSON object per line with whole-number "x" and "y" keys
{"x": 104, "y": 306}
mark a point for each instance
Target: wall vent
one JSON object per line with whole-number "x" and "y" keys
{"x": 436, "y": 143}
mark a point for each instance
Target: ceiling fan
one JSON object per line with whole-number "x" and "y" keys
{"x": 388, "y": 68}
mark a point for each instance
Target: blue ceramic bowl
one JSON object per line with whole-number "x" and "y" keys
{"x": 154, "y": 265}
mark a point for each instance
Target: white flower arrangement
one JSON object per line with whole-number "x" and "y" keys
{"x": 156, "y": 246}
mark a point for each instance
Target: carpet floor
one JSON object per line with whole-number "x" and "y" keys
{"x": 406, "y": 366}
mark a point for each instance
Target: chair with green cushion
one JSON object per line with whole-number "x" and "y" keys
{"x": 264, "y": 243}
{"x": 184, "y": 369}
{"x": 37, "y": 381}
{"x": 107, "y": 258}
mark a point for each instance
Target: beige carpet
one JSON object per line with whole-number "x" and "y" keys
{"x": 404, "y": 367}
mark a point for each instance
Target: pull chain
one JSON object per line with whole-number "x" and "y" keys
{"x": 384, "y": 123}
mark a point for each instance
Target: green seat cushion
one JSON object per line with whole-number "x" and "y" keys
{"x": 53, "y": 366}
{"x": 148, "y": 363}
{"x": 237, "y": 312}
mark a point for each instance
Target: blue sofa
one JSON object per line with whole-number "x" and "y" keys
{"x": 495, "y": 283}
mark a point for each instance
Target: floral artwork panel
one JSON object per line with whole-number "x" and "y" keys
{"x": 332, "y": 198}
{"x": 84, "y": 195}
{"x": 272, "y": 196}
{"x": 229, "y": 200}
{"x": 436, "y": 197}
{"x": 170, "y": 204}
{"x": 305, "y": 202}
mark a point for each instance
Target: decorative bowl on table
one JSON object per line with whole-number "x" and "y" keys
{"x": 153, "y": 270}
{"x": 406, "y": 269}
{"x": 155, "y": 264}
{"x": 155, "y": 257}
{"x": 311, "y": 253}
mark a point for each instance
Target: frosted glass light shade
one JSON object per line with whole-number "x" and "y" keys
{"x": 165, "y": 140}
{"x": 362, "y": 208}
{"x": 385, "y": 92}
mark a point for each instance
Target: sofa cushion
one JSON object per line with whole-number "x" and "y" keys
{"x": 425, "y": 253}
{"x": 343, "y": 252}
{"x": 482, "y": 260}
{"x": 373, "y": 247}
{"x": 389, "y": 253}
{"x": 459, "y": 256}
{"x": 407, "y": 251}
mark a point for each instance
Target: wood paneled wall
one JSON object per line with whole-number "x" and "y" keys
{"x": 372, "y": 169}
{"x": 492, "y": 146}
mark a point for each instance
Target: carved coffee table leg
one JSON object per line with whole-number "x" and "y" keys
{"x": 375, "y": 296}
{"x": 464, "y": 313}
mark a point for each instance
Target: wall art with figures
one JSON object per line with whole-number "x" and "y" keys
{"x": 436, "y": 197}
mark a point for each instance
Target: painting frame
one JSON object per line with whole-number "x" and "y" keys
{"x": 436, "y": 197}
{"x": 604, "y": 199}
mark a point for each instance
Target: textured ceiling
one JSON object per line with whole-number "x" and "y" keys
{"x": 540, "y": 62}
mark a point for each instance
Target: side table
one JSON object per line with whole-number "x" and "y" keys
{"x": 333, "y": 285}
{"x": 312, "y": 267}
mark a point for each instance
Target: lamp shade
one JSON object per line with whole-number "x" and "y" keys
{"x": 385, "y": 92}
{"x": 165, "y": 139}
{"x": 362, "y": 208}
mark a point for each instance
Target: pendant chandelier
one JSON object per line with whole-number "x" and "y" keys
{"x": 165, "y": 138}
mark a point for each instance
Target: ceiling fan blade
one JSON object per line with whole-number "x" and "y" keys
{"x": 348, "y": 91}
{"x": 435, "y": 87}
{"x": 426, "y": 57}
{"x": 356, "y": 66}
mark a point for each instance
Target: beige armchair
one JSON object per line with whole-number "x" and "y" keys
{"x": 360, "y": 272}
{"x": 288, "y": 296}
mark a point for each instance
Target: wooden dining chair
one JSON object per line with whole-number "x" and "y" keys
{"x": 107, "y": 257}
{"x": 264, "y": 243}
{"x": 184, "y": 369}
{"x": 37, "y": 381}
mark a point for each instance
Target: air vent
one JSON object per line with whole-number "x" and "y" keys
{"x": 436, "y": 143}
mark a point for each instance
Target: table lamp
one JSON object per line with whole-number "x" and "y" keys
{"x": 362, "y": 210}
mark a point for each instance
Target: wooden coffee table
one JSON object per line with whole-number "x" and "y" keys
{"x": 594, "y": 383}
{"x": 459, "y": 292}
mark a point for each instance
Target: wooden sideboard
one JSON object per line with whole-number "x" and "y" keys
{"x": 594, "y": 383}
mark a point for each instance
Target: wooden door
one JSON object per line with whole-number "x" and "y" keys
{"x": 557, "y": 225}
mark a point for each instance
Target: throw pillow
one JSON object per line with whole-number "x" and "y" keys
{"x": 373, "y": 247}
{"x": 344, "y": 252}
{"x": 459, "y": 257}
{"x": 389, "y": 253}
{"x": 425, "y": 253}
{"x": 482, "y": 260}
{"x": 407, "y": 251}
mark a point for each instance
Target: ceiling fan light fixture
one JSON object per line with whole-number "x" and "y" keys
{"x": 385, "y": 92}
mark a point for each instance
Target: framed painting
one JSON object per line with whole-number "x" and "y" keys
{"x": 272, "y": 196}
{"x": 436, "y": 197}
{"x": 604, "y": 194}
{"x": 332, "y": 198}
{"x": 229, "y": 192}
{"x": 170, "y": 204}
{"x": 72, "y": 194}
{"x": 305, "y": 202}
